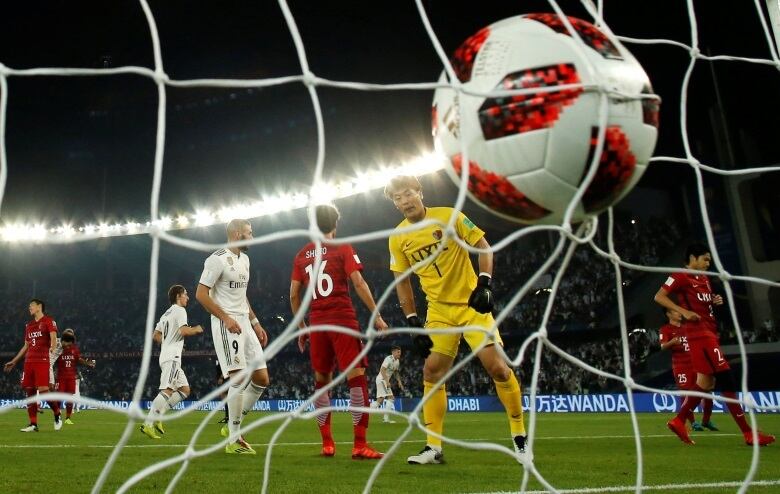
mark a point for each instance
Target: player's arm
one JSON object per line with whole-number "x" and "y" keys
{"x": 157, "y": 336}
{"x": 52, "y": 339}
{"x": 405, "y": 296}
{"x": 11, "y": 363}
{"x": 485, "y": 261}
{"x": 213, "y": 308}
{"x": 662, "y": 299}
{"x": 295, "y": 305}
{"x": 256, "y": 326}
{"x": 190, "y": 330}
{"x": 665, "y": 345}
{"x": 403, "y": 288}
{"x": 295, "y": 300}
{"x": 87, "y": 362}
{"x": 398, "y": 379}
{"x": 364, "y": 293}
{"x": 422, "y": 342}
{"x": 384, "y": 374}
{"x": 482, "y": 299}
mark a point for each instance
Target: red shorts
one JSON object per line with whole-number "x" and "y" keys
{"x": 684, "y": 378}
{"x": 35, "y": 375}
{"x": 66, "y": 386}
{"x": 328, "y": 348}
{"x": 706, "y": 354}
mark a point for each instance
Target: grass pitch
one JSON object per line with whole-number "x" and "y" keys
{"x": 572, "y": 451}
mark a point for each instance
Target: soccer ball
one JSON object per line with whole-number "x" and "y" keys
{"x": 529, "y": 153}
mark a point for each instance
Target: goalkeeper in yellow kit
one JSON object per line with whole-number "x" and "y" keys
{"x": 456, "y": 297}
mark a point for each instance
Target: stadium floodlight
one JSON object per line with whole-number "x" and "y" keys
{"x": 182, "y": 221}
{"x": 318, "y": 194}
{"x": 204, "y": 217}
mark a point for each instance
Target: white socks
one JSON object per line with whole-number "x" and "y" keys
{"x": 162, "y": 403}
{"x": 159, "y": 405}
{"x": 250, "y": 395}
{"x": 389, "y": 405}
{"x": 234, "y": 401}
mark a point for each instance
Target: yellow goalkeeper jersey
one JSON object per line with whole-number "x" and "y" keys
{"x": 450, "y": 277}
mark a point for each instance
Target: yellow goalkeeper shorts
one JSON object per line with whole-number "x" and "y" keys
{"x": 442, "y": 316}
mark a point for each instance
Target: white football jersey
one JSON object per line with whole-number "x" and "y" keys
{"x": 390, "y": 365}
{"x": 172, "y": 340}
{"x": 53, "y": 356}
{"x": 227, "y": 276}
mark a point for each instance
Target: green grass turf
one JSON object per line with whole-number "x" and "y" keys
{"x": 571, "y": 451}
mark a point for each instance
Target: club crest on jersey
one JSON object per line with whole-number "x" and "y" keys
{"x": 230, "y": 260}
{"x": 437, "y": 234}
{"x": 236, "y": 360}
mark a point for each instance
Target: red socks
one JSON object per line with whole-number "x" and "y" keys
{"x": 707, "y": 406}
{"x": 688, "y": 405}
{"x": 358, "y": 397}
{"x": 736, "y": 412}
{"x": 323, "y": 420}
{"x": 32, "y": 408}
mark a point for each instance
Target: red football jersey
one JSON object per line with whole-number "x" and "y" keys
{"x": 37, "y": 335}
{"x": 681, "y": 354}
{"x": 694, "y": 294}
{"x": 331, "y": 303}
{"x": 67, "y": 363}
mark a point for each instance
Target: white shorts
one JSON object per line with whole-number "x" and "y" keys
{"x": 236, "y": 351}
{"x": 382, "y": 389}
{"x": 172, "y": 375}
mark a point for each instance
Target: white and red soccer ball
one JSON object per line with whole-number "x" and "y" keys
{"x": 529, "y": 153}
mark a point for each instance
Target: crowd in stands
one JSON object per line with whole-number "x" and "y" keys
{"x": 588, "y": 284}
{"x": 110, "y": 328}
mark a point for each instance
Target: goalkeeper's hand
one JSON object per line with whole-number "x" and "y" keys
{"x": 421, "y": 343}
{"x": 481, "y": 299}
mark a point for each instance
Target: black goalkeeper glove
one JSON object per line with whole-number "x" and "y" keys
{"x": 421, "y": 343}
{"x": 481, "y": 299}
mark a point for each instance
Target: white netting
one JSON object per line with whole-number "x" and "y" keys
{"x": 568, "y": 241}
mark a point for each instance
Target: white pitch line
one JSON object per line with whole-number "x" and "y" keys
{"x": 659, "y": 487}
{"x": 317, "y": 443}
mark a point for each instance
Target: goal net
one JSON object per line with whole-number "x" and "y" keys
{"x": 596, "y": 236}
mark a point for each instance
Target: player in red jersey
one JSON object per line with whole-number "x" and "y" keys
{"x": 332, "y": 305}
{"x": 67, "y": 370}
{"x": 40, "y": 339}
{"x": 695, "y": 301}
{"x": 673, "y": 337}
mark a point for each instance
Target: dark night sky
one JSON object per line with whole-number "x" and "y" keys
{"x": 65, "y": 134}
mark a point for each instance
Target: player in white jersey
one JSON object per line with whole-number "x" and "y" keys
{"x": 170, "y": 333}
{"x": 389, "y": 368}
{"x": 53, "y": 356}
{"x": 238, "y": 336}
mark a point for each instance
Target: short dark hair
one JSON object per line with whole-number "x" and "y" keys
{"x": 394, "y": 348}
{"x": 174, "y": 292}
{"x": 327, "y": 217}
{"x": 39, "y": 302}
{"x": 696, "y": 250}
{"x": 68, "y": 337}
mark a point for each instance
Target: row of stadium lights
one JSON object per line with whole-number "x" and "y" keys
{"x": 324, "y": 193}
